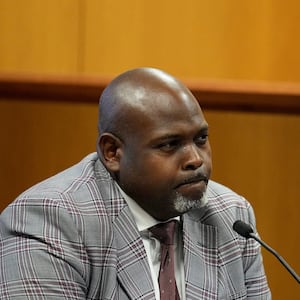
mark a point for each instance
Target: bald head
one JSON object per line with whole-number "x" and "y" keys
{"x": 138, "y": 90}
{"x": 152, "y": 139}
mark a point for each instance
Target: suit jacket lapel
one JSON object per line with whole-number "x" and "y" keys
{"x": 133, "y": 271}
{"x": 200, "y": 259}
{"x": 133, "y": 268}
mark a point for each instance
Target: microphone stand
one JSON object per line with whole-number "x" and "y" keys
{"x": 283, "y": 262}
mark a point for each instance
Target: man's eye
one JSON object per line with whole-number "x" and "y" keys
{"x": 201, "y": 139}
{"x": 168, "y": 146}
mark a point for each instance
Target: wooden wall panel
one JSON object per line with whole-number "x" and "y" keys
{"x": 39, "y": 139}
{"x": 283, "y": 58}
{"x": 254, "y": 40}
{"x": 40, "y": 36}
{"x": 216, "y": 39}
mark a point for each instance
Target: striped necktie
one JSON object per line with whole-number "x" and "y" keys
{"x": 164, "y": 232}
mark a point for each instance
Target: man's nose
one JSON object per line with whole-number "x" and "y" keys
{"x": 192, "y": 157}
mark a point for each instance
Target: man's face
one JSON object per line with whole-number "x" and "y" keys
{"x": 166, "y": 159}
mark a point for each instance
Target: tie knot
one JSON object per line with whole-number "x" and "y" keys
{"x": 164, "y": 232}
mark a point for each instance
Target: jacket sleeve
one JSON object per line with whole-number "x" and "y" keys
{"x": 41, "y": 252}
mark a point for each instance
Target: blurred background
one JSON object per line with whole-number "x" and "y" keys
{"x": 57, "y": 55}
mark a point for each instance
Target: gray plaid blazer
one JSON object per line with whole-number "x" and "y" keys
{"x": 74, "y": 237}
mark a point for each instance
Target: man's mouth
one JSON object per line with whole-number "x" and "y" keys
{"x": 193, "y": 187}
{"x": 193, "y": 180}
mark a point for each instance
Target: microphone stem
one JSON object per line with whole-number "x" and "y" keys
{"x": 283, "y": 262}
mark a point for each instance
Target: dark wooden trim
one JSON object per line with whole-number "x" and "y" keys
{"x": 51, "y": 87}
{"x": 218, "y": 94}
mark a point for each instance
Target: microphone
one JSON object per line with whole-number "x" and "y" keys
{"x": 246, "y": 231}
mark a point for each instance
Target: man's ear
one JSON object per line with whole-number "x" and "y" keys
{"x": 110, "y": 148}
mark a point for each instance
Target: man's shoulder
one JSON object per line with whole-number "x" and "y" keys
{"x": 83, "y": 190}
{"x": 67, "y": 180}
{"x": 71, "y": 187}
{"x": 219, "y": 194}
{"x": 224, "y": 204}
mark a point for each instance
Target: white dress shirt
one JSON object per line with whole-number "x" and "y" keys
{"x": 152, "y": 246}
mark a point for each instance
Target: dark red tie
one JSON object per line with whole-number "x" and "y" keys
{"x": 164, "y": 232}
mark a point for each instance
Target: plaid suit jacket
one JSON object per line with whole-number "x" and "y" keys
{"x": 74, "y": 237}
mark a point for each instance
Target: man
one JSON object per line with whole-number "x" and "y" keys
{"x": 86, "y": 232}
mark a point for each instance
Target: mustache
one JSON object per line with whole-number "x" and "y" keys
{"x": 194, "y": 178}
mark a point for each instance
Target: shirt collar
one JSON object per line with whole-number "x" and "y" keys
{"x": 143, "y": 220}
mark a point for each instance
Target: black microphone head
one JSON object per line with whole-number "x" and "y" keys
{"x": 242, "y": 228}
